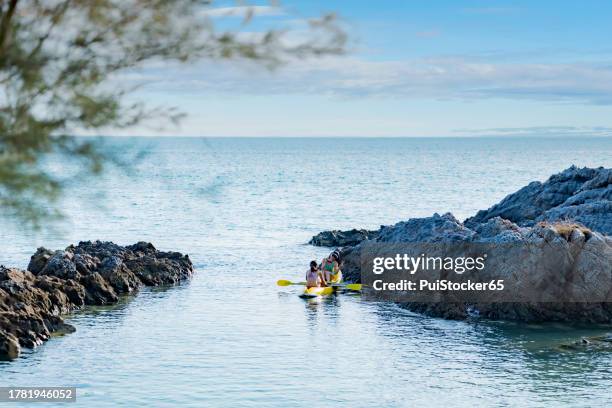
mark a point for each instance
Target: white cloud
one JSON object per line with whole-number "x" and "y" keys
{"x": 459, "y": 78}
{"x": 243, "y": 11}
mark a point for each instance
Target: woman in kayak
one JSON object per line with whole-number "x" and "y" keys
{"x": 314, "y": 276}
{"x": 331, "y": 267}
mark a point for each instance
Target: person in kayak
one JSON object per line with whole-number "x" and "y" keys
{"x": 331, "y": 267}
{"x": 314, "y": 276}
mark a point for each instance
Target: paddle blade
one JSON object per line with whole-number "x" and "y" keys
{"x": 283, "y": 282}
{"x": 354, "y": 286}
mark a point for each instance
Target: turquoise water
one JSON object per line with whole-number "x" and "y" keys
{"x": 243, "y": 209}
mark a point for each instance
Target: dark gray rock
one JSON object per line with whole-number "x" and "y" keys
{"x": 9, "y": 346}
{"x": 437, "y": 228}
{"x": 498, "y": 230}
{"x": 60, "y": 264}
{"x": 91, "y": 273}
{"x": 39, "y": 260}
{"x": 336, "y": 238}
{"x": 97, "y": 290}
{"x": 580, "y": 195}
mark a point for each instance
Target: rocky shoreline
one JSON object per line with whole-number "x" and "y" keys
{"x": 336, "y": 238}
{"x": 573, "y": 209}
{"x": 32, "y": 301}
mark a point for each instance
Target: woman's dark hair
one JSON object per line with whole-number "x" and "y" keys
{"x": 336, "y": 255}
{"x": 313, "y": 265}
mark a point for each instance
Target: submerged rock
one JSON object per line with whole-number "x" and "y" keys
{"x": 596, "y": 343}
{"x": 91, "y": 273}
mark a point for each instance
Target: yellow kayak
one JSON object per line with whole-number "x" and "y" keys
{"x": 318, "y": 291}
{"x": 323, "y": 291}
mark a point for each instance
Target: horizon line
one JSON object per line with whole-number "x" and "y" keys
{"x": 481, "y": 136}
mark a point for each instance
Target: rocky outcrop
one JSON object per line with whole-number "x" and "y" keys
{"x": 586, "y": 254}
{"x": 57, "y": 282}
{"x": 581, "y": 195}
{"x": 336, "y": 238}
{"x": 572, "y": 208}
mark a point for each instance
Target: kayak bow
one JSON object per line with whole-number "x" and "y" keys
{"x": 318, "y": 292}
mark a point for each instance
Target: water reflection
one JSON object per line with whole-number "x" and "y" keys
{"x": 326, "y": 306}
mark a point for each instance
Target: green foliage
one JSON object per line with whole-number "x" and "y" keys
{"x": 58, "y": 60}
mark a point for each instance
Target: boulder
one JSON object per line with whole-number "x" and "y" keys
{"x": 60, "y": 264}
{"x": 97, "y": 290}
{"x": 39, "y": 260}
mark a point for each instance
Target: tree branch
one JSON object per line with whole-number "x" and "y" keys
{"x": 5, "y": 22}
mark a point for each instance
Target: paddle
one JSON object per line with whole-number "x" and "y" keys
{"x": 283, "y": 282}
{"x": 349, "y": 286}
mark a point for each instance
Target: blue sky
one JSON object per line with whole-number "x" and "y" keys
{"x": 415, "y": 68}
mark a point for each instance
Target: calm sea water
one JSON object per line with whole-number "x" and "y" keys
{"x": 243, "y": 209}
